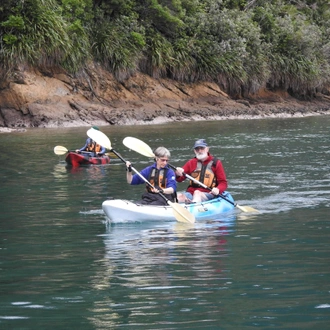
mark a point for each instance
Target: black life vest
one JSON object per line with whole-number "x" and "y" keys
{"x": 157, "y": 178}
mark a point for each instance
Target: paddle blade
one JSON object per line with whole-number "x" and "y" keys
{"x": 60, "y": 150}
{"x": 247, "y": 208}
{"x": 181, "y": 214}
{"x": 112, "y": 154}
{"x": 138, "y": 146}
{"x": 99, "y": 138}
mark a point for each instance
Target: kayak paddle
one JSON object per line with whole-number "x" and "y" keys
{"x": 142, "y": 148}
{"x": 60, "y": 150}
{"x": 181, "y": 214}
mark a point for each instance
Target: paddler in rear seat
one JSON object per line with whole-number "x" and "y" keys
{"x": 206, "y": 169}
{"x": 160, "y": 175}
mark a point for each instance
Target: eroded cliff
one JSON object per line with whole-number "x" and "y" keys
{"x": 34, "y": 99}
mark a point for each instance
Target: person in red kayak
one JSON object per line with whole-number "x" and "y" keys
{"x": 205, "y": 168}
{"x": 91, "y": 147}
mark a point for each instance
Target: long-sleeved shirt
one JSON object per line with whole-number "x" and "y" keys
{"x": 89, "y": 141}
{"x": 170, "y": 176}
{"x": 219, "y": 172}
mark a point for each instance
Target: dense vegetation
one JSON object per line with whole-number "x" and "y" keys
{"x": 240, "y": 44}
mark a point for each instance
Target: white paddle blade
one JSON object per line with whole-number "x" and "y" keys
{"x": 138, "y": 146}
{"x": 59, "y": 150}
{"x": 181, "y": 214}
{"x": 247, "y": 209}
{"x": 99, "y": 138}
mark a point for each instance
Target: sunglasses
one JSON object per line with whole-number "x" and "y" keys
{"x": 199, "y": 148}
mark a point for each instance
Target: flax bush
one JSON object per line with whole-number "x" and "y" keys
{"x": 78, "y": 16}
{"x": 157, "y": 56}
{"x": 34, "y": 33}
{"x": 118, "y": 45}
{"x": 240, "y": 44}
{"x": 296, "y": 59}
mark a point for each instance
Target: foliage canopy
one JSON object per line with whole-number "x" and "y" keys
{"x": 241, "y": 45}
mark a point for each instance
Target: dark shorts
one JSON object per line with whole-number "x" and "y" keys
{"x": 154, "y": 199}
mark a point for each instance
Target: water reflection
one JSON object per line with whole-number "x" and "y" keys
{"x": 141, "y": 264}
{"x": 59, "y": 171}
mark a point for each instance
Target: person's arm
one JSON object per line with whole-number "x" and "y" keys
{"x": 102, "y": 151}
{"x": 171, "y": 182}
{"x": 129, "y": 175}
{"x": 221, "y": 177}
{"x": 186, "y": 168}
{"x": 136, "y": 179}
{"x": 84, "y": 147}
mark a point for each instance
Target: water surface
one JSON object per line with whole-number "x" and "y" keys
{"x": 64, "y": 266}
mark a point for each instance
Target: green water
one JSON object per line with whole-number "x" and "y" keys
{"x": 64, "y": 266}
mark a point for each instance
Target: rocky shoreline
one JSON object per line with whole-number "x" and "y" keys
{"x": 32, "y": 99}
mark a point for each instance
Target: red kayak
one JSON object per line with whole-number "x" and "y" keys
{"x": 77, "y": 159}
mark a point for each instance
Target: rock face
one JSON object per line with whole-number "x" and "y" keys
{"x": 33, "y": 99}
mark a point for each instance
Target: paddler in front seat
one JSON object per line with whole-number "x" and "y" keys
{"x": 92, "y": 148}
{"x": 160, "y": 175}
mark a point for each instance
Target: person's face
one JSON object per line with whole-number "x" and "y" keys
{"x": 201, "y": 152}
{"x": 161, "y": 162}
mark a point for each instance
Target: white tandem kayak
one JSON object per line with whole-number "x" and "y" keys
{"x": 120, "y": 210}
